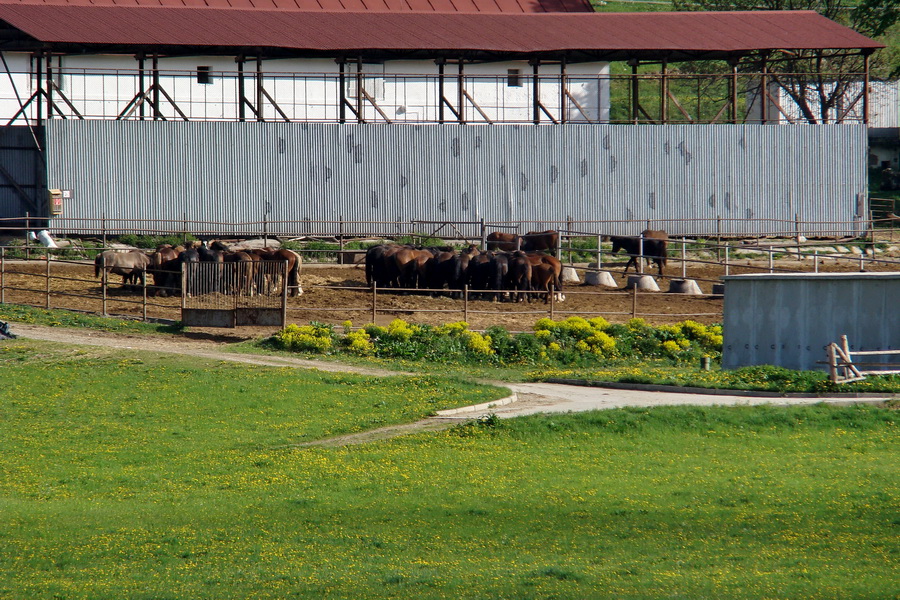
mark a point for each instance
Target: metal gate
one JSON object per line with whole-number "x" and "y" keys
{"x": 234, "y": 294}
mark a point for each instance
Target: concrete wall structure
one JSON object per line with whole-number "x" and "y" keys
{"x": 787, "y": 320}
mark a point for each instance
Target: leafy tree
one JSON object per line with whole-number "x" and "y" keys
{"x": 823, "y": 83}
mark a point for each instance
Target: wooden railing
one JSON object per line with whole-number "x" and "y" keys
{"x": 842, "y": 369}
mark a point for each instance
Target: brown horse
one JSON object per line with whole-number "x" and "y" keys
{"x": 292, "y": 262}
{"x": 533, "y": 241}
{"x": 546, "y": 275}
{"x": 244, "y": 274}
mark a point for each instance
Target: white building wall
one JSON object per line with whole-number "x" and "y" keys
{"x": 102, "y": 86}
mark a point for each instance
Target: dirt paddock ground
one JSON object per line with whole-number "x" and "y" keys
{"x": 334, "y": 294}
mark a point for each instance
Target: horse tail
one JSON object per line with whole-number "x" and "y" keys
{"x": 294, "y": 275}
{"x": 98, "y": 263}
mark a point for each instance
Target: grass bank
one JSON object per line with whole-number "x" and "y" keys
{"x": 125, "y": 477}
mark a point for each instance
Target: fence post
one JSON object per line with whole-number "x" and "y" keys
{"x": 483, "y": 235}
{"x": 374, "y": 301}
{"x": 634, "y": 294}
{"x": 552, "y": 293}
{"x": 265, "y": 229}
{"x": 341, "y": 234}
{"x": 47, "y": 288}
{"x": 832, "y": 363}
{"x": 144, "y": 295}
{"x": 683, "y": 258}
{"x": 27, "y": 229}
{"x": 771, "y": 260}
{"x": 726, "y": 258}
{"x": 640, "y": 257}
{"x": 103, "y": 280}
{"x": 466, "y": 303}
{"x": 2, "y": 274}
{"x": 568, "y": 237}
{"x": 284, "y": 293}
{"x": 718, "y": 238}
{"x": 103, "y": 228}
{"x": 599, "y": 251}
{"x": 816, "y": 261}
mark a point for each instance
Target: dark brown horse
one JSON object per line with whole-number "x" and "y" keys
{"x": 653, "y": 242}
{"x": 533, "y": 241}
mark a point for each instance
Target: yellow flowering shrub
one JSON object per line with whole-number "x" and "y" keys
{"x": 544, "y": 324}
{"x": 305, "y": 338}
{"x": 359, "y": 342}
{"x": 636, "y": 324}
{"x": 599, "y": 323}
{"x": 452, "y": 328}
{"x": 400, "y": 329}
{"x": 601, "y": 344}
{"x": 478, "y": 343}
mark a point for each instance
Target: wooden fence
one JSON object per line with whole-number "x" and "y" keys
{"x": 842, "y": 368}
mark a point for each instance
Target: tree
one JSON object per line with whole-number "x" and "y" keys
{"x": 824, "y": 84}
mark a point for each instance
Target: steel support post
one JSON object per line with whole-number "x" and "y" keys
{"x": 141, "y": 66}
{"x": 664, "y": 93}
{"x": 460, "y": 93}
{"x": 563, "y": 89}
{"x": 734, "y": 92}
{"x": 157, "y": 114}
{"x": 440, "y": 66}
{"x": 359, "y": 89}
{"x": 259, "y": 90}
{"x": 49, "y": 86}
{"x": 39, "y": 83}
{"x": 764, "y": 91}
{"x": 635, "y": 90}
{"x": 865, "y": 97}
{"x": 342, "y": 93}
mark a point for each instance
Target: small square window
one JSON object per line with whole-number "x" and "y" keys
{"x": 512, "y": 78}
{"x": 204, "y": 75}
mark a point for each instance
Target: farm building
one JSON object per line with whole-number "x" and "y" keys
{"x": 303, "y": 114}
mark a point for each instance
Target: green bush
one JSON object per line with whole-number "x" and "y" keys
{"x": 154, "y": 241}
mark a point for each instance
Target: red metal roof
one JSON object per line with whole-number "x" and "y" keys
{"x": 460, "y": 6}
{"x": 611, "y": 35}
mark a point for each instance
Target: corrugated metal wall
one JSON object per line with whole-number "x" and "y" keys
{"x": 754, "y": 178}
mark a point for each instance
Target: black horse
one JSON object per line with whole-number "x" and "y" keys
{"x": 654, "y": 245}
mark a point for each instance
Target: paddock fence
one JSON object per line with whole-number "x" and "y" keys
{"x": 47, "y": 278}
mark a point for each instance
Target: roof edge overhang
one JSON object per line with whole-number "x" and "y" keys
{"x": 575, "y": 37}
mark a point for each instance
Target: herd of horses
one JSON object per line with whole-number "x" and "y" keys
{"x": 513, "y": 267}
{"x": 247, "y": 277}
{"x": 494, "y": 274}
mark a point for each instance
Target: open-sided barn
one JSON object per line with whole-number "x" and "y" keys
{"x": 311, "y": 112}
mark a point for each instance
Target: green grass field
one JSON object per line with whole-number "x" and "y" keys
{"x": 140, "y": 478}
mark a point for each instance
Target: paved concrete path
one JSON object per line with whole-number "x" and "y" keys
{"x": 526, "y": 398}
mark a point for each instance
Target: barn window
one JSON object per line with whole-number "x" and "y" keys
{"x": 203, "y": 75}
{"x": 512, "y": 78}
